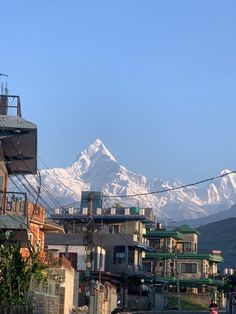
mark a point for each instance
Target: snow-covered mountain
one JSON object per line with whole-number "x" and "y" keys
{"x": 96, "y": 169}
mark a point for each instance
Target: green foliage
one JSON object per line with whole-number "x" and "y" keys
{"x": 16, "y": 273}
{"x": 187, "y": 303}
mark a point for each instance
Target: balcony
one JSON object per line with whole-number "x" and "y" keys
{"x": 13, "y": 214}
{"x": 13, "y": 109}
{"x": 123, "y": 211}
{"x": 13, "y": 203}
{"x": 18, "y": 137}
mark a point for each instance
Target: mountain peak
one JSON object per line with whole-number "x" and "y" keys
{"x": 225, "y": 171}
{"x": 97, "y": 147}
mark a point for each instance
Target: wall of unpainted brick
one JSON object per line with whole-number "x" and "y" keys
{"x": 45, "y": 304}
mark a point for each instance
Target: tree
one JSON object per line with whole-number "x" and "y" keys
{"x": 16, "y": 273}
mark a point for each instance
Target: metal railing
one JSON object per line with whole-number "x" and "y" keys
{"x": 13, "y": 203}
{"x": 5, "y": 106}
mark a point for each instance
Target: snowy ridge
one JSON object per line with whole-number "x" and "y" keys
{"x": 97, "y": 169}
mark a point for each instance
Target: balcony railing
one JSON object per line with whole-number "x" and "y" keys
{"x": 13, "y": 109}
{"x": 108, "y": 211}
{"x": 13, "y": 203}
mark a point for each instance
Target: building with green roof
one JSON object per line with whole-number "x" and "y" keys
{"x": 176, "y": 259}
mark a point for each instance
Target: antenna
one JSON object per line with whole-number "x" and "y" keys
{"x": 4, "y": 89}
{"x": 2, "y": 74}
{"x": 4, "y": 100}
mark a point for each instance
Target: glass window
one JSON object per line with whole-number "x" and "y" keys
{"x": 187, "y": 247}
{"x": 189, "y": 268}
{"x": 131, "y": 257}
{"x": 119, "y": 254}
{"x": 147, "y": 266}
{"x": 1, "y": 182}
{"x": 116, "y": 229}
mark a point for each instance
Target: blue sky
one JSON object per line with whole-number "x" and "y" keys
{"x": 154, "y": 80}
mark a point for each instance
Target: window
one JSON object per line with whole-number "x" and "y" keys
{"x": 36, "y": 210}
{"x": 116, "y": 229}
{"x": 30, "y": 237}
{"x": 147, "y": 266}
{"x": 119, "y": 254}
{"x": 1, "y": 183}
{"x": 131, "y": 257}
{"x": 190, "y": 268}
{"x": 39, "y": 243}
{"x": 187, "y": 247}
{"x": 161, "y": 264}
{"x": 157, "y": 244}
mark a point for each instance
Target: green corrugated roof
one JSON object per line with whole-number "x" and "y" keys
{"x": 209, "y": 257}
{"x": 187, "y": 229}
{"x": 164, "y": 234}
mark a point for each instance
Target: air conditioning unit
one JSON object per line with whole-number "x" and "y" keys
{"x": 57, "y": 211}
{"x": 127, "y": 211}
{"x": 85, "y": 211}
{"x": 113, "y": 211}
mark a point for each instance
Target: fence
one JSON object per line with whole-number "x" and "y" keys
{"x": 16, "y": 309}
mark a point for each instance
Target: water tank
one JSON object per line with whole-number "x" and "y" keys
{"x": 71, "y": 210}
{"x": 57, "y": 211}
{"x": 134, "y": 210}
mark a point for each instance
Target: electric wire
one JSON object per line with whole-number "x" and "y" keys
{"x": 171, "y": 189}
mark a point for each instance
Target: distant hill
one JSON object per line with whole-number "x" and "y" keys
{"x": 220, "y": 235}
{"x": 225, "y": 214}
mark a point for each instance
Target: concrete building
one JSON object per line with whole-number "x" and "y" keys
{"x": 176, "y": 259}
{"x": 18, "y": 155}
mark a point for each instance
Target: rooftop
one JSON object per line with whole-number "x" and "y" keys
{"x": 187, "y": 229}
{"x": 192, "y": 256}
{"x": 18, "y": 138}
{"x": 107, "y": 240}
{"x": 153, "y": 234}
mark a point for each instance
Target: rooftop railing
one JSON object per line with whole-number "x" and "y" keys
{"x": 13, "y": 203}
{"x": 10, "y": 105}
{"x": 99, "y": 211}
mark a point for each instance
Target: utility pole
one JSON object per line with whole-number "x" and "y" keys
{"x": 100, "y": 262}
{"x": 89, "y": 234}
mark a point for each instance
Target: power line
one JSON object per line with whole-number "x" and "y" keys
{"x": 43, "y": 162}
{"x": 171, "y": 189}
{"x": 151, "y": 192}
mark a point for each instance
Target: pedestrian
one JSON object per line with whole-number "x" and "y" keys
{"x": 213, "y": 307}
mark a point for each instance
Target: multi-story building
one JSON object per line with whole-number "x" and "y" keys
{"x": 18, "y": 156}
{"x": 177, "y": 261}
{"x": 118, "y": 240}
{"x": 122, "y": 231}
{"x": 38, "y": 224}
